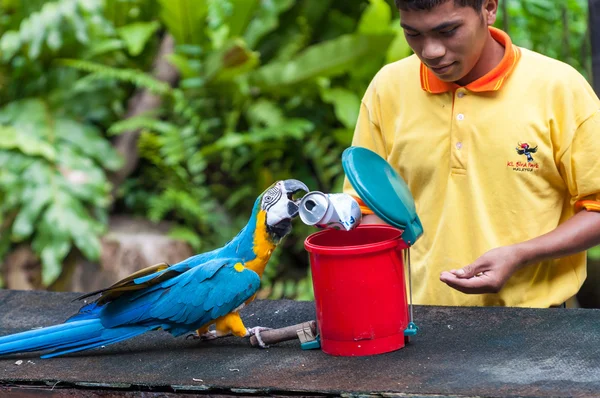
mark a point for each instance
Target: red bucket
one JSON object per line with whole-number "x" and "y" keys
{"x": 360, "y": 290}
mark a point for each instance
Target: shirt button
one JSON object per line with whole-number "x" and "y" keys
{"x": 460, "y": 94}
{"x": 460, "y": 116}
{"x": 459, "y": 145}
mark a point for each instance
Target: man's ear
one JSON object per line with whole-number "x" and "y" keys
{"x": 490, "y": 11}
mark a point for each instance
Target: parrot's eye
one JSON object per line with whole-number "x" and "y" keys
{"x": 270, "y": 197}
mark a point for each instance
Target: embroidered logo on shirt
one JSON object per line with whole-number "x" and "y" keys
{"x": 527, "y": 150}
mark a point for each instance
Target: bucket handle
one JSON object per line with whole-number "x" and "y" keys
{"x": 412, "y": 328}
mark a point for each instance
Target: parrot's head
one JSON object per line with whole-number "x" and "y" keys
{"x": 279, "y": 207}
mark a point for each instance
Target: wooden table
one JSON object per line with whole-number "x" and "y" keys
{"x": 494, "y": 352}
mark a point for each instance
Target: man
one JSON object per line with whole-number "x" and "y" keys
{"x": 500, "y": 147}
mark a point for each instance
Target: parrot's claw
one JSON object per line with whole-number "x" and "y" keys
{"x": 255, "y": 331}
{"x": 210, "y": 335}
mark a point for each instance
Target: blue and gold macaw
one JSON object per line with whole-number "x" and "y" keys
{"x": 192, "y": 295}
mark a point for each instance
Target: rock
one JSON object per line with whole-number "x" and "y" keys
{"x": 21, "y": 269}
{"x": 130, "y": 245}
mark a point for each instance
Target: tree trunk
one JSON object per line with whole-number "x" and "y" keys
{"x": 594, "y": 6}
{"x": 144, "y": 101}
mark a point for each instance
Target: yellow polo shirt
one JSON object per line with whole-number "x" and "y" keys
{"x": 502, "y": 160}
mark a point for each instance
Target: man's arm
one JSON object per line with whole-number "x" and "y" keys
{"x": 490, "y": 272}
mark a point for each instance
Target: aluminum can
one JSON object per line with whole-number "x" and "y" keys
{"x": 334, "y": 211}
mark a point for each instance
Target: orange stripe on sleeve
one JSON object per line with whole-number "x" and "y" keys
{"x": 363, "y": 207}
{"x": 589, "y": 205}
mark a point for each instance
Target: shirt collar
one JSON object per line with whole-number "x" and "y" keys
{"x": 491, "y": 81}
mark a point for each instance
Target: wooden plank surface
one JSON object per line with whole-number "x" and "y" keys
{"x": 494, "y": 352}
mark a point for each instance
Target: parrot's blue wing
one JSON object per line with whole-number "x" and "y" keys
{"x": 229, "y": 289}
{"x": 149, "y": 276}
{"x": 187, "y": 301}
{"x": 180, "y": 267}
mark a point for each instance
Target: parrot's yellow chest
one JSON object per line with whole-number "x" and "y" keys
{"x": 262, "y": 246}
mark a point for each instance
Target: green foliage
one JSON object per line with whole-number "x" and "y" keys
{"x": 52, "y": 182}
{"x": 184, "y": 19}
{"x": 53, "y": 153}
{"x": 51, "y": 28}
{"x": 136, "y": 35}
{"x": 556, "y": 29}
{"x": 268, "y": 90}
{"x": 594, "y": 253}
{"x": 252, "y": 107}
{"x": 132, "y": 76}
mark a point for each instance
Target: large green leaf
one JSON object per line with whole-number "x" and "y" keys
{"x": 325, "y": 59}
{"x": 345, "y": 103}
{"x": 137, "y": 34}
{"x": 376, "y": 18}
{"x": 87, "y": 139}
{"x": 241, "y": 17}
{"x": 85, "y": 232}
{"x": 10, "y": 43}
{"x": 399, "y": 48}
{"x": 38, "y": 197}
{"x": 33, "y": 146}
{"x": 266, "y": 20}
{"x": 51, "y": 241}
{"x": 28, "y": 115}
{"x": 80, "y": 177}
{"x": 315, "y": 11}
{"x": 65, "y": 219}
{"x": 185, "y": 19}
{"x": 52, "y": 255}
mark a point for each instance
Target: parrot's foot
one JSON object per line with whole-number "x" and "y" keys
{"x": 210, "y": 335}
{"x": 255, "y": 331}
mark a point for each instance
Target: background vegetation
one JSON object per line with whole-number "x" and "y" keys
{"x": 260, "y": 90}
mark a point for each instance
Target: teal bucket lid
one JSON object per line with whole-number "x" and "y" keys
{"x": 382, "y": 190}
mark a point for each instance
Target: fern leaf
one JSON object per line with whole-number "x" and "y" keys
{"x": 133, "y": 76}
{"x": 141, "y": 122}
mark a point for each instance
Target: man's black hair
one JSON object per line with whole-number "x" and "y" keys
{"x": 429, "y": 4}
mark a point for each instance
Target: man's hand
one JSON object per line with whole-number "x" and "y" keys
{"x": 490, "y": 272}
{"x": 487, "y": 274}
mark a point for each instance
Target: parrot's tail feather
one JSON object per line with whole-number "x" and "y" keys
{"x": 88, "y": 311}
{"x": 68, "y": 337}
{"x": 53, "y": 336}
{"x": 106, "y": 339}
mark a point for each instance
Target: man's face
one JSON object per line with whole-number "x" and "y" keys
{"x": 448, "y": 39}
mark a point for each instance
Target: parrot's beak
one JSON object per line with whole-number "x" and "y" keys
{"x": 281, "y": 213}
{"x": 292, "y": 187}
